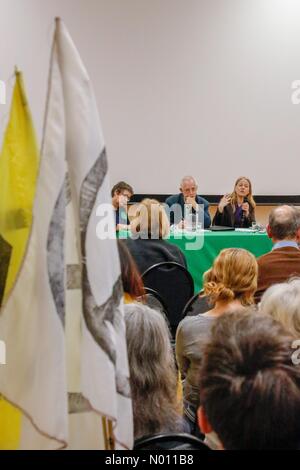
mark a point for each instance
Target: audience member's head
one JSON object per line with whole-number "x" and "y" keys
{"x": 131, "y": 279}
{"x": 249, "y": 387}
{"x": 297, "y": 209}
{"x": 232, "y": 276}
{"x": 282, "y": 302}
{"x": 151, "y": 220}
{"x": 152, "y": 371}
{"x": 283, "y": 223}
{"x": 121, "y": 194}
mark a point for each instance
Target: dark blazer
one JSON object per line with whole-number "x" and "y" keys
{"x": 147, "y": 252}
{"x": 275, "y": 267}
{"x": 179, "y": 199}
{"x": 226, "y": 219}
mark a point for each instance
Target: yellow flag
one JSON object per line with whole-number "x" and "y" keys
{"x": 18, "y": 172}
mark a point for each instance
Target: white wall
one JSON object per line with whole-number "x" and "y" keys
{"x": 183, "y": 86}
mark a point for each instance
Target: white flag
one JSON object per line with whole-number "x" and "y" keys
{"x": 63, "y": 324}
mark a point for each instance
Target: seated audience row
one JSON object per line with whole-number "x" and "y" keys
{"x": 232, "y": 342}
{"x": 249, "y": 386}
{"x": 150, "y": 227}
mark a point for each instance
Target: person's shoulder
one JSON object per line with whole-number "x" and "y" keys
{"x": 127, "y": 241}
{"x": 172, "y": 199}
{"x": 194, "y": 328}
{"x": 202, "y": 200}
{"x": 186, "y": 324}
{"x": 132, "y": 243}
{"x": 193, "y": 320}
{"x": 264, "y": 257}
{"x": 172, "y": 247}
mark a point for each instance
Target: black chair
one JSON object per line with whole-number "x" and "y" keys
{"x": 199, "y": 303}
{"x": 172, "y": 441}
{"x": 174, "y": 284}
{"x": 154, "y": 300}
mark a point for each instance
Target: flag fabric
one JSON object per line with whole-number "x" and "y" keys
{"x": 18, "y": 172}
{"x": 63, "y": 323}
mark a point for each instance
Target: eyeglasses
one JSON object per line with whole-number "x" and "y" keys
{"x": 127, "y": 195}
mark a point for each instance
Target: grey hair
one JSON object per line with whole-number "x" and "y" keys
{"x": 284, "y": 222}
{"x": 282, "y": 302}
{"x": 297, "y": 209}
{"x": 153, "y": 375}
{"x": 187, "y": 178}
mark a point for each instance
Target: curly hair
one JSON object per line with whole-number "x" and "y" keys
{"x": 232, "y": 276}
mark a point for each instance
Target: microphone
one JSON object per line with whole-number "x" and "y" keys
{"x": 243, "y": 212}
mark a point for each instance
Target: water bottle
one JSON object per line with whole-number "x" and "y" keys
{"x": 188, "y": 217}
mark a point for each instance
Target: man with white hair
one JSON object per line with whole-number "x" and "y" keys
{"x": 188, "y": 196}
{"x": 283, "y": 261}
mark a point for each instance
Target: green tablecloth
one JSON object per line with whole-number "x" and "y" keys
{"x": 201, "y": 250}
{"x": 200, "y": 260}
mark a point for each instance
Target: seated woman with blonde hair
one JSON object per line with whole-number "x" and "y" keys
{"x": 230, "y": 285}
{"x": 149, "y": 228}
{"x": 238, "y": 208}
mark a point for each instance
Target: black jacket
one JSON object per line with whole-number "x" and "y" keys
{"x": 179, "y": 199}
{"x": 147, "y": 252}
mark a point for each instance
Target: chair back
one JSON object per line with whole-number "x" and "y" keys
{"x": 199, "y": 303}
{"x": 171, "y": 441}
{"x": 175, "y": 286}
{"x": 155, "y": 301}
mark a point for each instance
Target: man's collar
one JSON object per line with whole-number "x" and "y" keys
{"x": 285, "y": 243}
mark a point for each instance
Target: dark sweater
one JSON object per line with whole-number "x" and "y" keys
{"x": 275, "y": 267}
{"x": 179, "y": 199}
{"x": 147, "y": 252}
{"x": 227, "y": 218}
